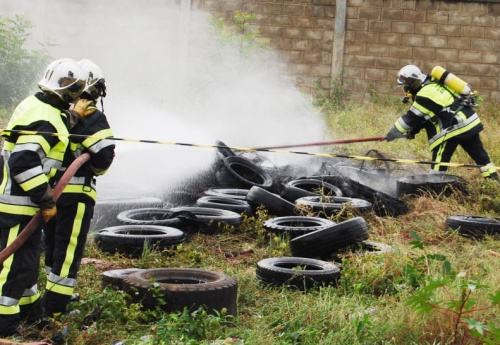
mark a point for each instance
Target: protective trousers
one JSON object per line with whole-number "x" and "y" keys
{"x": 65, "y": 238}
{"x": 474, "y": 148}
{"x": 19, "y": 296}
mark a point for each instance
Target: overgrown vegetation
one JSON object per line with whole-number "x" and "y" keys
{"x": 22, "y": 61}
{"x": 436, "y": 287}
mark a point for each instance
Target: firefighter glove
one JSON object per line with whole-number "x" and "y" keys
{"x": 394, "y": 134}
{"x": 84, "y": 107}
{"x": 47, "y": 205}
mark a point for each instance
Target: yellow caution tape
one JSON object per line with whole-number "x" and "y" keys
{"x": 247, "y": 149}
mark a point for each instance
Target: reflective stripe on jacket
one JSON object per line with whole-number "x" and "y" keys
{"x": 432, "y": 110}
{"x": 29, "y": 161}
{"x": 95, "y": 128}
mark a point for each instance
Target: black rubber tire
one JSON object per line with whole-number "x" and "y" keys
{"x": 361, "y": 249}
{"x": 235, "y": 193}
{"x": 282, "y": 271}
{"x": 115, "y": 277}
{"x": 383, "y": 204}
{"x": 329, "y": 206}
{"x": 274, "y": 203}
{"x": 149, "y": 216}
{"x": 206, "y": 220}
{"x": 473, "y": 226}
{"x": 323, "y": 243}
{"x": 183, "y": 288}
{"x": 416, "y": 185}
{"x": 131, "y": 239}
{"x": 296, "y": 226}
{"x": 224, "y": 150}
{"x": 224, "y": 203}
{"x": 296, "y": 189}
{"x": 240, "y": 172}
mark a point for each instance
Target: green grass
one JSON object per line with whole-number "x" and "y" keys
{"x": 370, "y": 305}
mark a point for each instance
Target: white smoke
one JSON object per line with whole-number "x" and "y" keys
{"x": 169, "y": 80}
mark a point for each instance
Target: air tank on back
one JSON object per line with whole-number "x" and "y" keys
{"x": 451, "y": 80}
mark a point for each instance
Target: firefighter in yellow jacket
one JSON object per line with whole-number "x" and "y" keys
{"x": 29, "y": 163}
{"x": 66, "y": 234}
{"x": 448, "y": 119}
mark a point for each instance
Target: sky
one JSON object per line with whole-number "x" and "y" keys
{"x": 169, "y": 80}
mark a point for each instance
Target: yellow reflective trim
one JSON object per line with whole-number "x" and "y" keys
{"x": 399, "y": 127}
{"x": 73, "y": 241}
{"x": 8, "y": 146}
{"x": 97, "y": 137}
{"x": 76, "y": 188}
{"x": 34, "y": 139}
{"x": 34, "y": 182}
{"x": 63, "y": 290}
{"x": 455, "y": 133}
{"x": 7, "y": 264}
{"x": 29, "y": 299}
{"x": 5, "y": 179}
{"x": 20, "y": 210}
{"x": 14, "y": 309}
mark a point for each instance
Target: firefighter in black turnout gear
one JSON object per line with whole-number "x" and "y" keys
{"x": 447, "y": 117}
{"x": 29, "y": 163}
{"x": 66, "y": 234}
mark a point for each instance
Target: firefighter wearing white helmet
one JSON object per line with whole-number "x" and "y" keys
{"x": 67, "y": 233}
{"x": 448, "y": 119}
{"x": 29, "y": 164}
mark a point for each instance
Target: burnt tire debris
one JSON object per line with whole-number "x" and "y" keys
{"x": 299, "y": 188}
{"x": 183, "y": 288}
{"x": 430, "y": 184}
{"x": 241, "y": 172}
{"x": 297, "y": 272}
{"x": 132, "y": 240}
{"x": 473, "y": 226}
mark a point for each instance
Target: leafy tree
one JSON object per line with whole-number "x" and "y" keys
{"x": 20, "y": 66}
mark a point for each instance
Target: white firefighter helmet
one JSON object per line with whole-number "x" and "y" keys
{"x": 63, "y": 78}
{"x": 94, "y": 78}
{"x": 411, "y": 75}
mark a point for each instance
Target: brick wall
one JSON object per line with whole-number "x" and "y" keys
{"x": 381, "y": 36}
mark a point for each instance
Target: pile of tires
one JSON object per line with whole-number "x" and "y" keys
{"x": 180, "y": 288}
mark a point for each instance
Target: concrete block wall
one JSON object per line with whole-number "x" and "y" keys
{"x": 381, "y": 36}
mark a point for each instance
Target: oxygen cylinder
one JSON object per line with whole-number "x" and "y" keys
{"x": 451, "y": 80}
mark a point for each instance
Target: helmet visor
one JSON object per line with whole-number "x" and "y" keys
{"x": 402, "y": 80}
{"x": 76, "y": 87}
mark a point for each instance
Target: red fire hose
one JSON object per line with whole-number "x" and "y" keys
{"x": 335, "y": 142}
{"x": 37, "y": 218}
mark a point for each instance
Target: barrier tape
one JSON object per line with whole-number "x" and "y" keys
{"x": 247, "y": 149}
